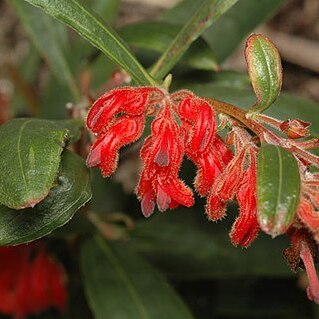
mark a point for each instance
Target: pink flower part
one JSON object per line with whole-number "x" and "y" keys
{"x": 308, "y": 215}
{"x": 162, "y": 155}
{"x": 245, "y": 229}
{"x": 104, "y": 152}
{"x": 127, "y": 100}
{"x": 227, "y": 184}
{"x": 306, "y": 256}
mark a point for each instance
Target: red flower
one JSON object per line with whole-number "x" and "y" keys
{"x": 204, "y": 147}
{"x": 162, "y": 155}
{"x": 238, "y": 180}
{"x": 184, "y": 125}
{"x": 31, "y": 281}
{"x": 118, "y": 119}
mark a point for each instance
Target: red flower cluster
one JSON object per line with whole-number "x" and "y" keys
{"x": 31, "y": 281}
{"x": 184, "y": 125}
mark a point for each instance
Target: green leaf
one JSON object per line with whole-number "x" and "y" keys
{"x": 278, "y": 189}
{"x": 264, "y": 69}
{"x": 157, "y": 36}
{"x": 236, "y": 23}
{"x": 74, "y": 126}
{"x": 30, "y": 155}
{"x": 48, "y": 39}
{"x": 71, "y": 192}
{"x": 186, "y": 245}
{"x": 120, "y": 284}
{"x": 205, "y": 15}
{"x": 94, "y": 29}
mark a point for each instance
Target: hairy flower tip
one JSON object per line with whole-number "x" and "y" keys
{"x": 226, "y": 184}
{"x": 215, "y": 207}
{"x": 199, "y": 117}
{"x": 127, "y": 100}
{"x": 31, "y": 281}
{"x": 162, "y": 155}
{"x": 295, "y": 128}
{"x": 104, "y": 152}
{"x": 246, "y": 227}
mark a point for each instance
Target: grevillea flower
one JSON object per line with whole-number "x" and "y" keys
{"x": 238, "y": 180}
{"x": 184, "y": 124}
{"x": 162, "y": 155}
{"x": 203, "y": 147}
{"x": 118, "y": 119}
{"x": 31, "y": 281}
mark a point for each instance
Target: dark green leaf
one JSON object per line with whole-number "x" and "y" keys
{"x": 120, "y": 284}
{"x": 186, "y": 245}
{"x": 30, "y": 155}
{"x": 236, "y": 23}
{"x": 71, "y": 192}
{"x": 48, "y": 38}
{"x": 278, "y": 189}
{"x": 205, "y": 15}
{"x": 157, "y": 36}
{"x": 264, "y": 69}
{"x": 94, "y": 29}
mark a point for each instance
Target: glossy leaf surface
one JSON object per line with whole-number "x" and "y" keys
{"x": 71, "y": 192}
{"x": 278, "y": 189}
{"x": 121, "y": 284}
{"x": 30, "y": 155}
{"x": 264, "y": 69}
{"x": 92, "y": 27}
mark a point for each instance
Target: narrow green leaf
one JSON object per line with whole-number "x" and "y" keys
{"x": 72, "y": 191}
{"x": 48, "y": 39}
{"x": 206, "y": 14}
{"x": 236, "y": 23}
{"x": 94, "y": 29}
{"x": 264, "y": 69}
{"x": 30, "y": 155}
{"x": 157, "y": 36}
{"x": 120, "y": 284}
{"x": 278, "y": 189}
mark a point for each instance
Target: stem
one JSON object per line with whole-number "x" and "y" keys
{"x": 313, "y": 289}
{"x": 263, "y": 133}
